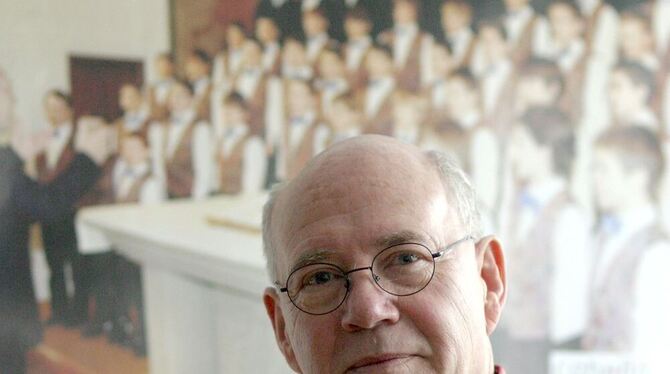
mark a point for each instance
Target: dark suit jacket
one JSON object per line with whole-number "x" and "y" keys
{"x": 22, "y": 202}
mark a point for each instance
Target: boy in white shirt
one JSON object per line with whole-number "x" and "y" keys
{"x": 629, "y": 298}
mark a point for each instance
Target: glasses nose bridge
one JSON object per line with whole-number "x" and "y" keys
{"x": 375, "y": 277}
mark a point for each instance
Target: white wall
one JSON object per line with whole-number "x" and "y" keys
{"x": 38, "y": 36}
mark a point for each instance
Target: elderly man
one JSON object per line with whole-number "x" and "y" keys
{"x": 379, "y": 264}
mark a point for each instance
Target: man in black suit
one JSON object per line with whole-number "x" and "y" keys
{"x": 22, "y": 202}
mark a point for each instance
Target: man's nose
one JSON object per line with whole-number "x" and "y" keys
{"x": 367, "y": 305}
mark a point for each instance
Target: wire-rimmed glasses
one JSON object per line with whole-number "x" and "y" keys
{"x": 401, "y": 270}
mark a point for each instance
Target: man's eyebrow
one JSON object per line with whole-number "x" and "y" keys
{"x": 399, "y": 237}
{"x": 310, "y": 257}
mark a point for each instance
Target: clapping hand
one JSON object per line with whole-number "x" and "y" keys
{"x": 95, "y": 139}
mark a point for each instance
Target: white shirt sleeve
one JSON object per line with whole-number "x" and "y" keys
{"x": 255, "y": 166}
{"x": 652, "y": 303}
{"x": 203, "y": 161}
{"x": 569, "y": 291}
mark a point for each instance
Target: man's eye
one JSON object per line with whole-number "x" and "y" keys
{"x": 406, "y": 258}
{"x": 319, "y": 278}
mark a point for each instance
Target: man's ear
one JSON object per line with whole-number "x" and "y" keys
{"x": 275, "y": 313}
{"x": 491, "y": 266}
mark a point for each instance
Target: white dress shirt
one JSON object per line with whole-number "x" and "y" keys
{"x": 255, "y": 160}
{"x": 61, "y": 137}
{"x": 356, "y": 50}
{"x": 297, "y": 72}
{"x": 298, "y": 130}
{"x": 314, "y": 46}
{"x": 570, "y": 241}
{"x": 125, "y": 176}
{"x": 133, "y": 121}
{"x": 405, "y": 36}
{"x": 247, "y": 82}
{"x": 201, "y": 147}
{"x": 329, "y": 90}
{"x": 652, "y": 301}
{"x": 376, "y": 94}
{"x": 493, "y": 82}
{"x": 460, "y": 44}
{"x": 484, "y": 158}
{"x": 162, "y": 90}
{"x": 270, "y": 55}
{"x": 200, "y": 86}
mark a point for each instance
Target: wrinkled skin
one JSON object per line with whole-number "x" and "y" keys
{"x": 345, "y": 203}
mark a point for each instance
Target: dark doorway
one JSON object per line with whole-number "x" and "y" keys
{"x": 95, "y": 84}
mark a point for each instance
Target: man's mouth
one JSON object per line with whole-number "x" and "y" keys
{"x": 374, "y": 363}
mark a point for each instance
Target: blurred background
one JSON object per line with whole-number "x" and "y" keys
{"x": 558, "y": 110}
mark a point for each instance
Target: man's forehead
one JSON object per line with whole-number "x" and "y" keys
{"x": 358, "y": 184}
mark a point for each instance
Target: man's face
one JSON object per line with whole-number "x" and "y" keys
{"x": 341, "y": 116}
{"x": 180, "y": 99}
{"x": 624, "y": 96}
{"x": 378, "y": 64}
{"x": 314, "y": 24}
{"x": 130, "y": 98}
{"x": 57, "y": 110}
{"x": 527, "y": 156}
{"x": 455, "y": 17}
{"x": 356, "y": 28}
{"x": 350, "y": 214}
{"x": 164, "y": 67}
{"x": 533, "y": 90}
{"x": 610, "y": 180}
{"x": 565, "y": 23}
{"x": 493, "y": 44}
{"x": 515, "y": 5}
{"x": 266, "y": 30}
{"x": 294, "y": 54}
{"x": 195, "y": 68}
{"x": 635, "y": 38}
{"x": 234, "y": 114}
{"x": 404, "y": 12}
{"x": 235, "y": 37}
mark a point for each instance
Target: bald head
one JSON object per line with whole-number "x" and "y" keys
{"x": 354, "y": 173}
{"x": 357, "y": 209}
